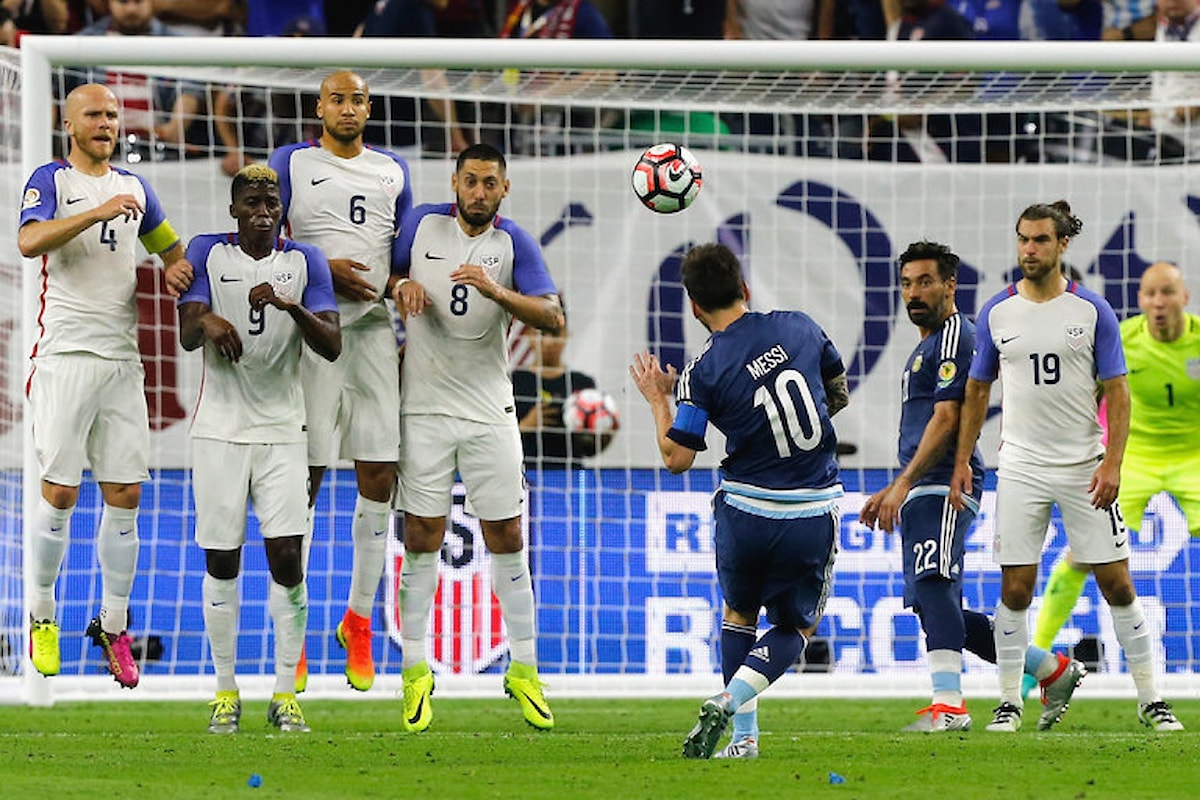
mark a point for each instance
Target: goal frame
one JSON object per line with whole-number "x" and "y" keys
{"x": 39, "y": 54}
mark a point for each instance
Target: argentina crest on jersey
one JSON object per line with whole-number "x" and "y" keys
{"x": 1076, "y": 335}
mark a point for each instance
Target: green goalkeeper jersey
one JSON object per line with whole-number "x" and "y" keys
{"x": 1164, "y": 385}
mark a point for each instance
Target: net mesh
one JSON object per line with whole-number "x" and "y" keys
{"x": 816, "y": 179}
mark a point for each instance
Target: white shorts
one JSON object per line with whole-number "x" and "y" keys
{"x": 487, "y": 457}
{"x": 87, "y": 407}
{"x": 226, "y": 475}
{"x": 357, "y": 395}
{"x": 1023, "y": 503}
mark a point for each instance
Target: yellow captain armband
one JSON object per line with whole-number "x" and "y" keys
{"x": 160, "y": 239}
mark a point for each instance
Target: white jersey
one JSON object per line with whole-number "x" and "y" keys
{"x": 1049, "y": 357}
{"x": 455, "y": 357}
{"x": 258, "y": 400}
{"x": 87, "y": 300}
{"x": 348, "y": 207}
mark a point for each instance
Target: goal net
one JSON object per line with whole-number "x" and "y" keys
{"x": 821, "y": 162}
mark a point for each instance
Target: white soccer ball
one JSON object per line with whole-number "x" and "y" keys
{"x": 666, "y": 178}
{"x": 590, "y": 411}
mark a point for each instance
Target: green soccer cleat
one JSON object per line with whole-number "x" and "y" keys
{"x": 43, "y": 646}
{"x": 418, "y": 689}
{"x": 284, "y": 713}
{"x": 226, "y": 713}
{"x": 522, "y": 684}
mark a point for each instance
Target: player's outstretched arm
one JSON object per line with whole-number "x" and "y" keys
{"x": 657, "y": 385}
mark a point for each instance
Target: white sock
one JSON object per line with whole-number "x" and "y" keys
{"x": 289, "y": 614}
{"x": 945, "y": 673}
{"x": 514, "y": 589}
{"x": 369, "y": 532}
{"x": 117, "y": 551}
{"x": 221, "y": 611}
{"x": 1012, "y": 638}
{"x": 1133, "y": 633}
{"x": 306, "y": 542}
{"x": 418, "y": 584}
{"x": 49, "y": 535}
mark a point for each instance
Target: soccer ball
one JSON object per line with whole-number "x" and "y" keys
{"x": 590, "y": 411}
{"x": 666, "y": 178}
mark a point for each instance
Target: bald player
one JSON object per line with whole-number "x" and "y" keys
{"x": 347, "y": 199}
{"x": 84, "y": 218}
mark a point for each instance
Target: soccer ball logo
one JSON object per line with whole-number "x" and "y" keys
{"x": 590, "y": 411}
{"x": 666, "y": 178}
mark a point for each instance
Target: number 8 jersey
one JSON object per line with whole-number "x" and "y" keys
{"x": 86, "y": 301}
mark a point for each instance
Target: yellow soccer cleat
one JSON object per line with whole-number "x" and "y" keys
{"x": 522, "y": 684}
{"x": 418, "y": 689}
{"x": 43, "y": 646}
{"x": 226, "y": 713}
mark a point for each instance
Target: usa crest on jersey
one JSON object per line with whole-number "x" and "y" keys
{"x": 1076, "y": 336}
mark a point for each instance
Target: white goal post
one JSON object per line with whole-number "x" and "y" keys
{"x": 620, "y": 550}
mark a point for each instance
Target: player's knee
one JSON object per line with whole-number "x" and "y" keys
{"x": 60, "y": 496}
{"x": 423, "y": 534}
{"x": 223, "y": 564}
{"x": 376, "y": 480}
{"x": 285, "y": 561}
{"x": 122, "y": 495}
{"x": 503, "y": 536}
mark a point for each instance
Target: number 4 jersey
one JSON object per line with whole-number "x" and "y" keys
{"x": 761, "y": 382}
{"x": 86, "y": 302}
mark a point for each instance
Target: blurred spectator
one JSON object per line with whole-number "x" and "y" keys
{"x": 342, "y": 17}
{"x": 82, "y": 13}
{"x": 1061, "y": 20}
{"x": 9, "y": 34}
{"x": 1178, "y": 23}
{"x": 1129, "y": 20}
{"x": 681, "y": 19}
{"x": 779, "y": 19}
{"x": 240, "y": 114}
{"x": 146, "y": 100}
{"x": 549, "y": 129}
{"x": 859, "y": 19}
{"x": 414, "y": 18}
{"x": 918, "y": 137}
{"x": 201, "y": 17}
{"x": 540, "y": 390}
{"x": 38, "y": 16}
{"x": 994, "y": 20}
{"x": 464, "y": 19}
{"x": 270, "y": 17}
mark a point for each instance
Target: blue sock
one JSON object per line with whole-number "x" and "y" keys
{"x": 736, "y": 641}
{"x": 745, "y": 722}
{"x": 981, "y": 638}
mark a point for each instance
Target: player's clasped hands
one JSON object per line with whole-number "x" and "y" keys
{"x": 264, "y": 295}
{"x": 410, "y": 297}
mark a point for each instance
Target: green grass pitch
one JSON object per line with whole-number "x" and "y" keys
{"x": 610, "y": 749}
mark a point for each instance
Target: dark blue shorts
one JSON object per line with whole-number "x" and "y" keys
{"x": 933, "y": 536}
{"x": 783, "y": 565}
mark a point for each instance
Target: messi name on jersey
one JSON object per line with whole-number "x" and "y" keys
{"x": 768, "y": 361}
